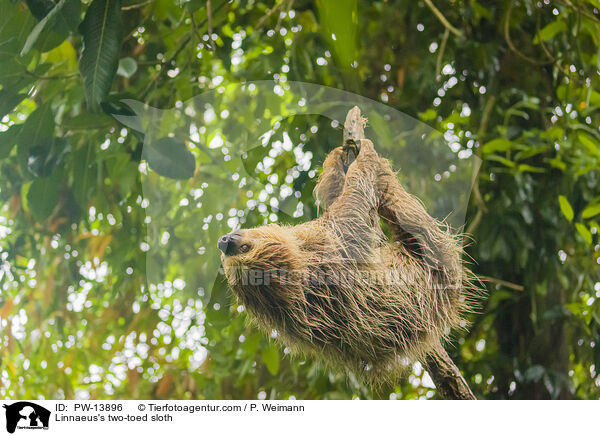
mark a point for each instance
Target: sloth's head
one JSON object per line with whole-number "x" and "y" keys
{"x": 261, "y": 266}
{"x": 266, "y": 248}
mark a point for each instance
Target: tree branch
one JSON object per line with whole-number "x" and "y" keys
{"x": 443, "y": 19}
{"x": 438, "y": 63}
{"x": 354, "y": 131}
{"x": 504, "y": 283}
{"x": 136, "y": 6}
{"x": 448, "y": 380}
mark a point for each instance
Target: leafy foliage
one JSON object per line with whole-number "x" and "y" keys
{"x": 89, "y": 309}
{"x": 101, "y": 34}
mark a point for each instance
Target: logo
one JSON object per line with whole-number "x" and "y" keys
{"x": 26, "y": 415}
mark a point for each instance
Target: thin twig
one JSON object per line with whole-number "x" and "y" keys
{"x": 195, "y": 28}
{"x": 482, "y": 208}
{"x": 584, "y": 127}
{"x": 270, "y": 12}
{"x": 485, "y": 117}
{"x": 580, "y": 10}
{"x": 438, "y": 63}
{"x": 478, "y": 216}
{"x": 443, "y": 19}
{"x": 510, "y": 44}
{"x": 166, "y": 65}
{"x": 537, "y": 35}
{"x": 210, "y": 26}
{"x": 279, "y": 19}
{"x": 578, "y": 41}
{"x": 504, "y": 283}
{"x": 56, "y": 77}
{"x": 137, "y": 5}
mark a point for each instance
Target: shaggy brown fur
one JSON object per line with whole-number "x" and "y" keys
{"x": 337, "y": 287}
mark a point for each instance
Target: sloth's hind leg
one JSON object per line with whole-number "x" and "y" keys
{"x": 425, "y": 237}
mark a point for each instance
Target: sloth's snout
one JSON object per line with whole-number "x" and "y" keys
{"x": 229, "y": 244}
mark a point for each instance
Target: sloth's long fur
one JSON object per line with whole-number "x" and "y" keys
{"x": 339, "y": 288}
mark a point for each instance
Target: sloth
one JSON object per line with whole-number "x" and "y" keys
{"x": 339, "y": 288}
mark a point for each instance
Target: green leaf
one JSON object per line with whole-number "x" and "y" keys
{"x": 9, "y": 100}
{"x": 70, "y": 17}
{"x": 591, "y": 210}
{"x": 40, "y": 8}
{"x": 223, "y": 51}
{"x": 530, "y": 169}
{"x": 480, "y": 12}
{"x": 56, "y": 22}
{"x": 170, "y": 157}
{"x": 38, "y": 127}
{"x": 14, "y": 28}
{"x": 127, "y": 67}
{"x": 496, "y": 145}
{"x": 557, "y": 163}
{"x": 88, "y": 121}
{"x": 583, "y": 231}
{"x": 84, "y": 173}
{"x": 590, "y": 143}
{"x": 501, "y": 159}
{"x": 381, "y": 127}
{"x": 42, "y": 197}
{"x": 565, "y": 207}
{"x": 594, "y": 97}
{"x": 8, "y": 139}
{"x": 101, "y": 30}
{"x": 46, "y": 156}
{"x": 550, "y": 31}
{"x": 270, "y": 357}
{"x": 554, "y": 133}
{"x": 428, "y": 115}
{"x": 574, "y": 308}
{"x": 48, "y": 20}
{"x": 339, "y": 25}
{"x": 252, "y": 157}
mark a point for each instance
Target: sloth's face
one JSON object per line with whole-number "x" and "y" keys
{"x": 233, "y": 244}
{"x": 259, "y": 264}
{"x": 263, "y": 248}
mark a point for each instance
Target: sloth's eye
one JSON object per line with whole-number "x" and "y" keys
{"x": 244, "y": 248}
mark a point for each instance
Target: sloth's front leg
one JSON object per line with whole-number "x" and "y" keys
{"x": 354, "y": 212}
{"x": 331, "y": 180}
{"x": 359, "y": 195}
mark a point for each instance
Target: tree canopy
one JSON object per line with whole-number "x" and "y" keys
{"x": 134, "y": 133}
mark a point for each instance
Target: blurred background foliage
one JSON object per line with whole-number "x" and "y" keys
{"x": 516, "y": 83}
